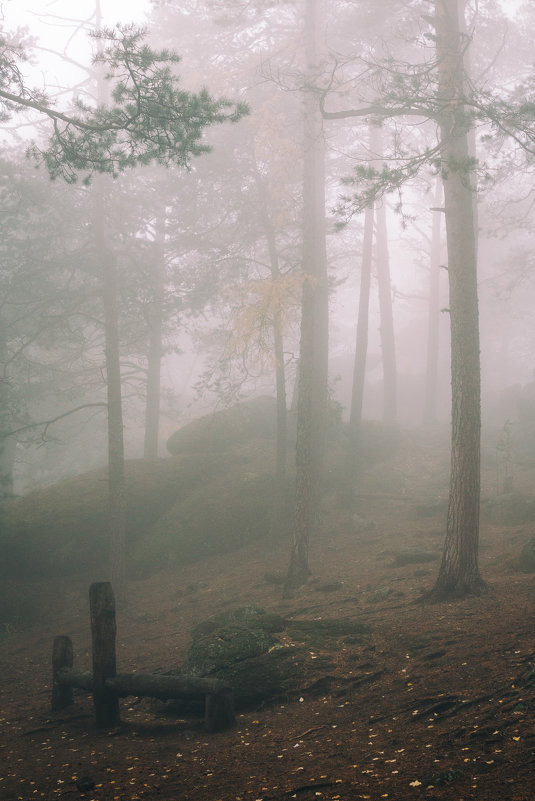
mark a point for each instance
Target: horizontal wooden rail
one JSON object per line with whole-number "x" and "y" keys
{"x": 152, "y": 685}
{"x": 218, "y": 697}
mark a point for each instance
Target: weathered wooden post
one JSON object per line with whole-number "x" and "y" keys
{"x": 103, "y": 631}
{"x": 62, "y": 695}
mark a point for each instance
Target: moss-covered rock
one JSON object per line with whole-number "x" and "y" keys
{"x": 179, "y": 510}
{"x": 224, "y": 429}
{"x": 214, "y": 517}
{"x": 213, "y": 654}
{"x": 239, "y": 647}
{"x": 63, "y": 528}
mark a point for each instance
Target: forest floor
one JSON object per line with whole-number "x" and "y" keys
{"x": 438, "y": 702}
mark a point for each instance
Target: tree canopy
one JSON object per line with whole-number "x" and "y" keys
{"x": 150, "y": 117}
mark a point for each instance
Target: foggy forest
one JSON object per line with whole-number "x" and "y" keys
{"x": 267, "y": 400}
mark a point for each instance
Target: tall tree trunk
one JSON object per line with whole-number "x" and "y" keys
{"x": 312, "y": 376}
{"x": 155, "y": 350}
{"x": 116, "y": 467}
{"x": 281, "y": 456}
{"x": 388, "y": 345}
{"x": 8, "y": 449}
{"x": 8, "y": 444}
{"x": 433, "y": 314}
{"x": 361, "y": 347}
{"x": 279, "y": 497}
{"x": 459, "y": 571}
{"x": 278, "y": 339}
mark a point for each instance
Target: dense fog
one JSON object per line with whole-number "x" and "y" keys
{"x": 267, "y": 390}
{"x": 210, "y": 253}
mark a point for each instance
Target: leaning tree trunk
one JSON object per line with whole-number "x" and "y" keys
{"x": 312, "y": 375}
{"x": 459, "y": 571}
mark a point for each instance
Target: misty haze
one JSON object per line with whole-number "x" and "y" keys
{"x": 267, "y": 400}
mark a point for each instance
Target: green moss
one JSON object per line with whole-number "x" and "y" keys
{"x": 229, "y": 512}
{"x": 239, "y": 646}
{"x": 212, "y": 654}
{"x": 222, "y": 430}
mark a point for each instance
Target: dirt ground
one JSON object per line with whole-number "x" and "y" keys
{"x": 437, "y": 703}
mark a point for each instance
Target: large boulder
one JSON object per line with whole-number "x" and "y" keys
{"x": 223, "y": 430}
{"x": 263, "y": 657}
{"x": 179, "y": 510}
{"x": 223, "y": 511}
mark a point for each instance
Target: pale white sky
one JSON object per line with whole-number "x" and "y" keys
{"x": 56, "y": 25}
{"x": 39, "y": 12}
{"x": 62, "y": 42}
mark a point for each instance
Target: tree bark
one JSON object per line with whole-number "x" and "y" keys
{"x": 459, "y": 571}
{"x": 8, "y": 444}
{"x": 155, "y": 350}
{"x": 388, "y": 345}
{"x": 278, "y": 346}
{"x": 8, "y": 449}
{"x": 281, "y": 455}
{"x": 433, "y": 315}
{"x": 361, "y": 345}
{"x": 103, "y": 632}
{"x": 312, "y": 375}
{"x": 116, "y": 468}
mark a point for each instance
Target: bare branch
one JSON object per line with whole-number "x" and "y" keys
{"x": 48, "y": 423}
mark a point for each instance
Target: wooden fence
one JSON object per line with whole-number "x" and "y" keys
{"x": 107, "y": 686}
